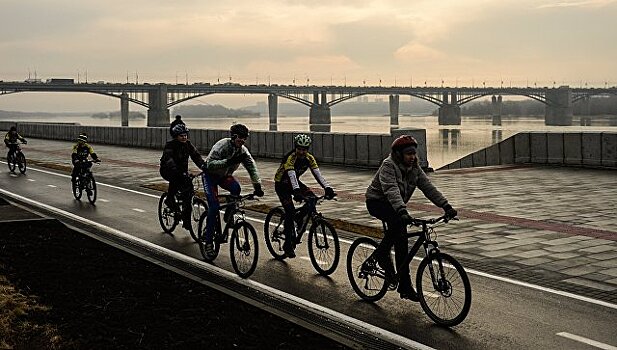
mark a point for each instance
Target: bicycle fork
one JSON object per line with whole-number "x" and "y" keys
{"x": 440, "y": 282}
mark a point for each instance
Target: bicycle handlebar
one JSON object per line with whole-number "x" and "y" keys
{"x": 249, "y": 196}
{"x": 421, "y": 222}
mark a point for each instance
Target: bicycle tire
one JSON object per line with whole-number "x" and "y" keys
{"x": 91, "y": 189}
{"x": 244, "y": 249}
{"x": 446, "y": 307}
{"x": 322, "y": 242}
{"x": 274, "y": 232}
{"x": 201, "y": 238}
{"x": 76, "y": 187}
{"x": 369, "y": 286}
{"x": 167, "y": 217}
{"x": 21, "y": 162}
{"x": 199, "y": 207}
{"x": 11, "y": 161}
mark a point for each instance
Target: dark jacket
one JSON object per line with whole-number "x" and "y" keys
{"x": 176, "y": 156}
{"x": 394, "y": 183}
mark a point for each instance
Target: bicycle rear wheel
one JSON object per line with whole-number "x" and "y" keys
{"x": 21, "y": 162}
{"x": 201, "y": 238}
{"x": 323, "y": 247}
{"x": 444, "y": 289}
{"x": 365, "y": 278}
{"x": 274, "y": 232}
{"x": 243, "y": 249}
{"x": 167, "y": 217}
{"x": 199, "y": 207}
{"x": 91, "y": 188}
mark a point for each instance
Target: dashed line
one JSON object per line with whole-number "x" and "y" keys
{"x": 31, "y": 180}
{"x": 139, "y": 210}
{"x": 52, "y": 186}
{"x": 587, "y": 341}
{"x": 103, "y": 200}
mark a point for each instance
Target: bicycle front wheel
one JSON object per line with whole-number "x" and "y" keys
{"x": 167, "y": 217}
{"x": 91, "y": 188}
{"x": 76, "y": 187}
{"x": 365, "y": 278}
{"x": 21, "y": 162}
{"x": 444, "y": 289}
{"x": 199, "y": 207}
{"x": 11, "y": 161}
{"x": 323, "y": 247}
{"x": 243, "y": 249}
{"x": 274, "y": 232}
{"x": 201, "y": 238}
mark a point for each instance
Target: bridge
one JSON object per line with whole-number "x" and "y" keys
{"x": 158, "y": 98}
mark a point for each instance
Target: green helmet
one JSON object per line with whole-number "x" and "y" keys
{"x": 302, "y": 140}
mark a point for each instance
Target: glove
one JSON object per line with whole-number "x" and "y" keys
{"x": 329, "y": 193}
{"x": 298, "y": 197}
{"x": 405, "y": 217}
{"x": 97, "y": 160}
{"x": 257, "y": 190}
{"x": 450, "y": 212}
{"x": 237, "y": 159}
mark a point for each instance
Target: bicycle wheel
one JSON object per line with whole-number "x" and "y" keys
{"x": 202, "y": 240}
{"x": 323, "y": 247}
{"x": 167, "y": 217}
{"x": 444, "y": 289}
{"x": 76, "y": 187}
{"x": 11, "y": 161}
{"x": 243, "y": 249}
{"x": 274, "y": 232}
{"x": 21, "y": 162}
{"x": 199, "y": 207}
{"x": 90, "y": 186}
{"x": 365, "y": 278}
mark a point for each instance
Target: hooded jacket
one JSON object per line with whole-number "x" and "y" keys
{"x": 176, "y": 156}
{"x": 395, "y": 183}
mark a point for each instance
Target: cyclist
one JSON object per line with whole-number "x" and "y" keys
{"x": 386, "y": 199}
{"x": 224, "y": 158}
{"x": 174, "y": 168}
{"x": 79, "y": 156}
{"x": 287, "y": 184}
{"x": 10, "y": 140}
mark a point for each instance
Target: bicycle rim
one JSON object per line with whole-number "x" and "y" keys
{"x": 368, "y": 283}
{"x": 323, "y": 247}
{"x": 21, "y": 162}
{"x": 91, "y": 189}
{"x": 445, "y": 294}
{"x": 199, "y": 207}
{"x": 166, "y": 215}
{"x": 76, "y": 187}
{"x": 244, "y": 250}
{"x": 274, "y": 232}
{"x": 201, "y": 238}
{"x": 12, "y": 163}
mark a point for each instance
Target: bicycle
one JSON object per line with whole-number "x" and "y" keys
{"x": 442, "y": 284}
{"x": 243, "y": 249}
{"x": 322, "y": 240}
{"x": 170, "y": 217}
{"x": 16, "y": 159}
{"x": 84, "y": 181}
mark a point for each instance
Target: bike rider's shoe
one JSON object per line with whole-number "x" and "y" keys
{"x": 209, "y": 249}
{"x": 289, "y": 250}
{"x": 409, "y": 294}
{"x": 186, "y": 224}
{"x": 385, "y": 263}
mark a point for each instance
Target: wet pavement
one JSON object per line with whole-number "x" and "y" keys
{"x": 551, "y": 226}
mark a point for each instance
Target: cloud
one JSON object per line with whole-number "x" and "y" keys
{"x": 588, "y": 3}
{"x": 415, "y": 51}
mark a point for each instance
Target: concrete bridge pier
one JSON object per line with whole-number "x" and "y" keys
{"x": 496, "y": 106}
{"x": 320, "y": 117}
{"x": 585, "y": 111}
{"x": 273, "y": 111}
{"x": 158, "y": 113}
{"x": 394, "y": 109}
{"x": 558, "y": 110}
{"x": 449, "y": 112}
{"x": 124, "y": 109}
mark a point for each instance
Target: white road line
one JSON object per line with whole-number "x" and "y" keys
{"x": 52, "y": 186}
{"x": 587, "y": 341}
{"x": 470, "y": 271}
{"x": 103, "y": 200}
{"x": 299, "y": 302}
{"x": 31, "y": 180}
{"x": 139, "y": 210}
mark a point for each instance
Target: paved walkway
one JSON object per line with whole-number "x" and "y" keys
{"x": 552, "y": 226}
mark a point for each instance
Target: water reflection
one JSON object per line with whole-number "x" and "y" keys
{"x": 450, "y": 137}
{"x": 497, "y": 135}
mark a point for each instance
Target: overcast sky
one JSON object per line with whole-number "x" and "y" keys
{"x": 462, "y": 42}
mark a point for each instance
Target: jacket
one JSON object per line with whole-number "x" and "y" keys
{"x": 216, "y": 162}
{"x": 176, "y": 156}
{"x": 394, "y": 183}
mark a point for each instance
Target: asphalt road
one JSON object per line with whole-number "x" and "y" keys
{"x": 504, "y": 315}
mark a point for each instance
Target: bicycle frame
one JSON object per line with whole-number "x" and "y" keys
{"x": 311, "y": 215}
{"x": 236, "y": 203}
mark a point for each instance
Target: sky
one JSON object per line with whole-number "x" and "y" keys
{"x": 397, "y": 42}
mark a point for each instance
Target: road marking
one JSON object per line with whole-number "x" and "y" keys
{"x": 292, "y": 299}
{"x": 587, "y": 341}
{"x": 52, "y": 186}
{"x": 103, "y": 200}
{"x": 139, "y": 210}
{"x": 31, "y": 180}
{"x": 349, "y": 242}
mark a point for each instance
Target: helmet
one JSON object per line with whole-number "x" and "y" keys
{"x": 82, "y": 137}
{"x": 239, "y": 130}
{"x": 302, "y": 140}
{"x": 179, "y": 129}
{"x": 13, "y": 128}
{"x": 402, "y": 142}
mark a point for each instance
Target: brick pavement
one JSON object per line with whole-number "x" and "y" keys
{"x": 553, "y": 226}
